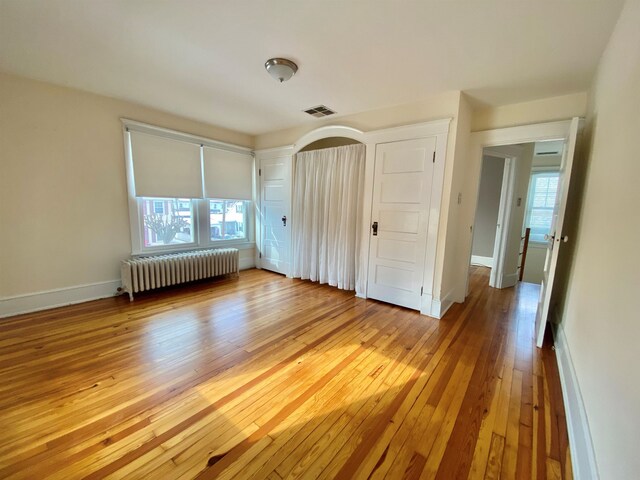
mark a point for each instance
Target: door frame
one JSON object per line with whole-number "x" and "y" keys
{"x": 478, "y": 141}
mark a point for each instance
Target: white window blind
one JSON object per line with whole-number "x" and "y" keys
{"x": 227, "y": 174}
{"x": 164, "y": 167}
{"x": 543, "y": 189}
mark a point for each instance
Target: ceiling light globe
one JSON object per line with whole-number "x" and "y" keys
{"x": 281, "y": 69}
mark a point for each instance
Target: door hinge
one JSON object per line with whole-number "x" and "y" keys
{"x": 434, "y": 156}
{"x": 421, "y": 290}
{"x": 260, "y": 254}
{"x": 259, "y": 172}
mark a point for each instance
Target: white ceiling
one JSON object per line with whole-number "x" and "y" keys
{"x": 204, "y": 59}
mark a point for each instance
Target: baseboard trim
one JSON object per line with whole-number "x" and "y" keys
{"x": 482, "y": 261}
{"x": 437, "y": 307}
{"x": 59, "y": 297}
{"x": 583, "y": 459}
{"x": 33, "y": 302}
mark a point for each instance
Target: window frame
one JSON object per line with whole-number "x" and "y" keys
{"x": 537, "y": 172}
{"x": 201, "y": 224}
{"x": 199, "y": 206}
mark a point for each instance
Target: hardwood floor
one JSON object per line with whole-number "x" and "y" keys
{"x": 270, "y": 378}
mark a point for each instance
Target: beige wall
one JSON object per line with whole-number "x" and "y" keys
{"x": 454, "y": 265}
{"x": 545, "y": 110}
{"x": 329, "y": 143}
{"x": 600, "y": 313}
{"x": 433, "y": 108}
{"x": 63, "y": 195}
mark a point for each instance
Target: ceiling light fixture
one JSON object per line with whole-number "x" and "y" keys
{"x": 281, "y": 69}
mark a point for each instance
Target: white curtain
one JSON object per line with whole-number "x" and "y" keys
{"x": 327, "y": 215}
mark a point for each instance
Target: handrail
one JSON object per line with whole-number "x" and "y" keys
{"x": 527, "y": 232}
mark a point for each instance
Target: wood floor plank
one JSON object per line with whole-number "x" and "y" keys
{"x": 265, "y": 377}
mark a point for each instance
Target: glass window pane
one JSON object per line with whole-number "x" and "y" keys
{"x": 543, "y": 192}
{"x": 540, "y": 219}
{"x": 234, "y": 220}
{"x": 551, "y": 200}
{"x": 216, "y": 216}
{"x": 542, "y": 184}
{"x": 227, "y": 219}
{"x": 539, "y": 200}
{"x": 167, "y": 221}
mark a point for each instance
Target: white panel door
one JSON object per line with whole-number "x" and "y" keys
{"x": 400, "y": 217}
{"x": 275, "y": 215}
{"x": 556, "y": 238}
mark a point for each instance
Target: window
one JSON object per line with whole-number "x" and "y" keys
{"x": 180, "y": 189}
{"x": 172, "y": 223}
{"x": 167, "y": 221}
{"x": 542, "y": 198}
{"x": 227, "y": 220}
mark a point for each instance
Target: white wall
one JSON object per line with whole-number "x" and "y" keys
{"x": 534, "y": 264}
{"x": 600, "y": 312}
{"x": 63, "y": 197}
{"x": 484, "y": 228}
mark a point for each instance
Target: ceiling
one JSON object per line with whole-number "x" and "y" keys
{"x": 204, "y": 59}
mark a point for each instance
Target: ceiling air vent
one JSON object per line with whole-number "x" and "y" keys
{"x": 319, "y": 111}
{"x": 542, "y": 149}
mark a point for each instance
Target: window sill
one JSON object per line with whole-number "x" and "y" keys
{"x": 238, "y": 245}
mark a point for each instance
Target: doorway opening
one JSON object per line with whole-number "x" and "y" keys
{"x": 514, "y": 214}
{"x": 547, "y": 201}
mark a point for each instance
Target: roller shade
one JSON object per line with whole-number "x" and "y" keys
{"x": 164, "y": 167}
{"x": 227, "y": 175}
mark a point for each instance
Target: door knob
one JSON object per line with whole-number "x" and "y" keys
{"x": 284, "y": 220}
{"x": 374, "y": 227}
{"x": 565, "y": 239}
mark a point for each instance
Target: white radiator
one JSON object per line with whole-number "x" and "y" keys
{"x": 147, "y": 273}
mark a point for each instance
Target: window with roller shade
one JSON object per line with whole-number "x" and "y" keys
{"x": 186, "y": 192}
